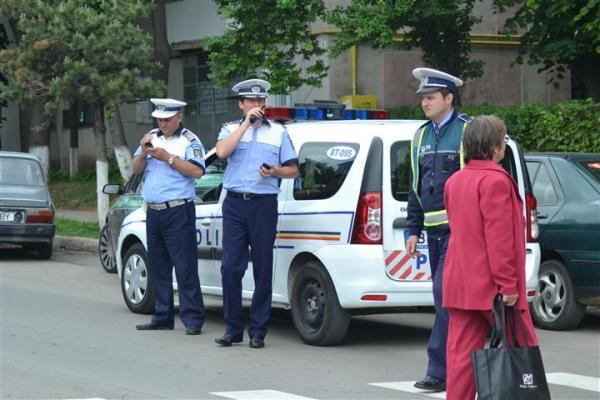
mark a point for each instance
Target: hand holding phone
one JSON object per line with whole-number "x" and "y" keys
{"x": 148, "y": 145}
{"x": 266, "y": 166}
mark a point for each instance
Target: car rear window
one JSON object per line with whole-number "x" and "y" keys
{"x": 593, "y": 167}
{"x": 19, "y": 171}
{"x": 323, "y": 168}
{"x": 400, "y": 169}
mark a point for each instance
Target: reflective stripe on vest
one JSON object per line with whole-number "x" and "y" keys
{"x": 435, "y": 218}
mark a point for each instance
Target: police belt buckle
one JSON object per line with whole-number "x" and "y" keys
{"x": 167, "y": 204}
{"x": 247, "y": 196}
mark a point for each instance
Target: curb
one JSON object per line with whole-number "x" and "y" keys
{"x": 75, "y": 243}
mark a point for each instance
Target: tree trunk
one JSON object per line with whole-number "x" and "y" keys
{"x": 39, "y": 138}
{"x": 121, "y": 150}
{"x": 101, "y": 164}
{"x": 586, "y": 71}
{"x": 156, "y": 25}
{"x": 73, "y": 139}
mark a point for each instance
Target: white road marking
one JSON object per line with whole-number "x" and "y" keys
{"x": 407, "y": 386}
{"x": 260, "y": 395}
{"x": 590, "y": 383}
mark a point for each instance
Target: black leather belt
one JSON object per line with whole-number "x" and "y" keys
{"x": 168, "y": 204}
{"x": 250, "y": 196}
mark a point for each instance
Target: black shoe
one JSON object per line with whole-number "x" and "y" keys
{"x": 257, "y": 342}
{"x": 193, "y": 331}
{"x": 431, "y": 384}
{"x": 152, "y": 326}
{"x": 226, "y": 340}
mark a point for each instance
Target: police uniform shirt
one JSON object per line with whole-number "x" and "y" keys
{"x": 163, "y": 182}
{"x": 437, "y": 128}
{"x": 269, "y": 143}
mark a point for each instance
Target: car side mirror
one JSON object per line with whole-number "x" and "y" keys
{"x": 111, "y": 188}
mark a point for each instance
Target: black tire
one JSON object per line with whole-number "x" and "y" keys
{"x": 318, "y": 317}
{"x": 555, "y": 306}
{"x": 136, "y": 284}
{"x": 43, "y": 251}
{"x": 106, "y": 252}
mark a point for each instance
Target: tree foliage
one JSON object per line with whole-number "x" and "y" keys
{"x": 560, "y": 33}
{"x": 270, "y": 39}
{"x": 439, "y": 27}
{"x": 91, "y": 50}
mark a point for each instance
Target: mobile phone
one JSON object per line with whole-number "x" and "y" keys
{"x": 148, "y": 144}
{"x": 266, "y": 166}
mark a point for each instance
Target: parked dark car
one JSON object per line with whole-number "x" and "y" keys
{"x": 129, "y": 200}
{"x": 567, "y": 188}
{"x": 26, "y": 208}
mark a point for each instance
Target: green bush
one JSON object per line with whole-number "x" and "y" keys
{"x": 562, "y": 126}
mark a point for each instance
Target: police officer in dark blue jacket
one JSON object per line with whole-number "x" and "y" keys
{"x": 259, "y": 153}
{"x": 171, "y": 158}
{"x": 436, "y": 153}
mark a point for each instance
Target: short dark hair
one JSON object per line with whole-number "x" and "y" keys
{"x": 482, "y": 135}
{"x": 446, "y": 92}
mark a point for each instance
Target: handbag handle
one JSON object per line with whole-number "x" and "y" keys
{"x": 505, "y": 318}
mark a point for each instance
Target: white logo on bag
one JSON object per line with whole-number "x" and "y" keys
{"x": 527, "y": 382}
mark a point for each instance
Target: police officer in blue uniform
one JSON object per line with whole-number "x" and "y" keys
{"x": 436, "y": 153}
{"x": 259, "y": 153}
{"x": 171, "y": 157}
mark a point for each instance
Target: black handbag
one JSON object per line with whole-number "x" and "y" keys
{"x": 503, "y": 372}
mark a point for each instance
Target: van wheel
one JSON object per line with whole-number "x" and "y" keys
{"x": 316, "y": 311}
{"x": 555, "y": 306}
{"x": 136, "y": 284}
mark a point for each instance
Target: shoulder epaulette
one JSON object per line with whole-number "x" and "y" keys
{"x": 189, "y": 135}
{"x": 465, "y": 117}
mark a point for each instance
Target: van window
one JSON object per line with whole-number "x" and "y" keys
{"x": 400, "y": 169}
{"x": 323, "y": 167}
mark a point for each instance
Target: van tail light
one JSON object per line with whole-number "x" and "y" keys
{"x": 368, "y": 228}
{"x": 45, "y": 216}
{"x": 533, "y": 229}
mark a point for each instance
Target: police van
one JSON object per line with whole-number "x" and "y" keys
{"x": 340, "y": 245}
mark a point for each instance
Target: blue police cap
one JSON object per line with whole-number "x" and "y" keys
{"x": 166, "y": 108}
{"x": 433, "y": 80}
{"x": 252, "y": 88}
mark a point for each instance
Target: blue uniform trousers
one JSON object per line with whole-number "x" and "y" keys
{"x": 437, "y": 242}
{"x": 171, "y": 238}
{"x": 248, "y": 223}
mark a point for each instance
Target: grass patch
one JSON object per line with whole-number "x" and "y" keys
{"x": 68, "y": 227}
{"x": 73, "y": 195}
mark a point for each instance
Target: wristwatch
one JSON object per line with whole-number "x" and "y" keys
{"x": 172, "y": 159}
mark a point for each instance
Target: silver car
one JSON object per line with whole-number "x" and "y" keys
{"x": 26, "y": 208}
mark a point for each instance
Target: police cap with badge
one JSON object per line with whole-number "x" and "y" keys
{"x": 166, "y": 108}
{"x": 433, "y": 80}
{"x": 252, "y": 89}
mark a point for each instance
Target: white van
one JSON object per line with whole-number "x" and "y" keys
{"x": 339, "y": 249}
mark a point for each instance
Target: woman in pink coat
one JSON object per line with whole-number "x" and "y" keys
{"x": 486, "y": 252}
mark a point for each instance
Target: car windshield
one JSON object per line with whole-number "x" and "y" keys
{"x": 593, "y": 167}
{"x": 20, "y": 171}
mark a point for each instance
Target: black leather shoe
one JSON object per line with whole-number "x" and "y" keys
{"x": 152, "y": 327}
{"x": 431, "y": 384}
{"x": 193, "y": 331}
{"x": 257, "y": 342}
{"x": 226, "y": 340}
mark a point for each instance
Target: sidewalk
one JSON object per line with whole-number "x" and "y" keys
{"x": 75, "y": 243}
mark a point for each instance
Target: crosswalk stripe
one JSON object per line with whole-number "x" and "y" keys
{"x": 590, "y": 383}
{"x": 261, "y": 394}
{"x": 407, "y": 386}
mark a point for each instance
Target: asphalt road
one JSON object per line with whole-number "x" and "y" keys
{"x": 67, "y": 334}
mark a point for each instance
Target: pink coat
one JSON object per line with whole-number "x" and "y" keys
{"x": 486, "y": 253}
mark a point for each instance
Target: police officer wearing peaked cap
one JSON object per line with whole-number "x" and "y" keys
{"x": 259, "y": 153}
{"x": 436, "y": 153}
{"x": 171, "y": 158}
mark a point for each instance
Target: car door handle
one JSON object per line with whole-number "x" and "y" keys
{"x": 541, "y": 216}
{"x": 400, "y": 223}
{"x": 205, "y": 222}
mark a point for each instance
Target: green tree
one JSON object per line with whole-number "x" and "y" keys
{"x": 438, "y": 27}
{"x": 271, "y": 39}
{"x": 85, "y": 50}
{"x": 559, "y": 34}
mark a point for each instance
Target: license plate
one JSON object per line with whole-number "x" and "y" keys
{"x": 7, "y": 216}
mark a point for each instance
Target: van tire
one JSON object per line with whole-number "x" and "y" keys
{"x": 555, "y": 306}
{"x": 316, "y": 312}
{"x": 136, "y": 284}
